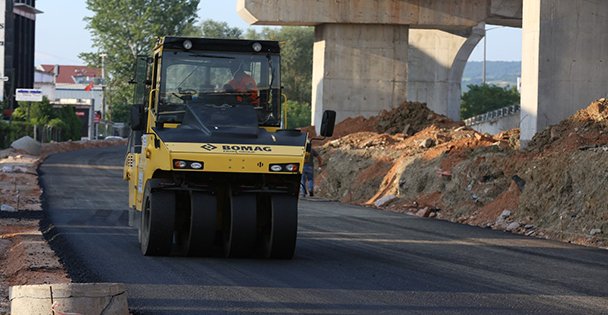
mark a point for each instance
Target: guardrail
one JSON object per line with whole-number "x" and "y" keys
{"x": 493, "y": 115}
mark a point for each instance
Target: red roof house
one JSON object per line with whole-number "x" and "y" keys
{"x": 74, "y": 74}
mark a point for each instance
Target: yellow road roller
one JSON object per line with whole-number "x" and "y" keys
{"x": 212, "y": 168}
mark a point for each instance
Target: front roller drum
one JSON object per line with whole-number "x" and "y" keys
{"x": 158, "y": 220}
{"x": 280, "y": 236}
{"x": 239, "y": 225}
{"x": 203, "y": 215}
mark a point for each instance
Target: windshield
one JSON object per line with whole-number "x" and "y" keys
{"x": 220, "y": 79}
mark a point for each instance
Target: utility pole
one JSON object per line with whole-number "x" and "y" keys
{"x": 103, "y": 85}
{"x": 485, "y": 33}
{"x": 484, "y": 56}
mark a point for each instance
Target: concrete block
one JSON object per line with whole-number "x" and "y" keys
{"x": 79, "y": 298}
{"x": 384, "y": 200}
{"x": 7, "y": 208}
{"x": 27, "y": 144}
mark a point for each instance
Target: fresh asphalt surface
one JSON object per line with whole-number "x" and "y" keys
{"x": 349, "y": 260}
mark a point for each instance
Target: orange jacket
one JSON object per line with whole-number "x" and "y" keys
{"x": 243, "y": 82}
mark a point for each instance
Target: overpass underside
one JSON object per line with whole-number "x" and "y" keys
{"x": 371, "y": 55}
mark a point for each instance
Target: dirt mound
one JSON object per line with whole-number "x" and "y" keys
{"x": 425, "y": 164}
{"x": 408, "y": 119}
{"x": 588, "y": 126}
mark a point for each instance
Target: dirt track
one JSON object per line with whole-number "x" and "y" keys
{"x": 25, "y": 255}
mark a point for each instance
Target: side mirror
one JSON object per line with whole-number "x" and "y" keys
{"x": 328, "y": 123}
{"x": 137, "y": 117}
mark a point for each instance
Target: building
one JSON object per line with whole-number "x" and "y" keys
{"x": 75, "y": 84}
{"x": 18, "y": 18}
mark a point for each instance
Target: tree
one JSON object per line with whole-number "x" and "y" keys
{"x": 298, "y": 114}
{"x": 296, "y": 50}
{"x": 215, "y": 29}
{"x": 43, "y": 114}
{"x": 124, "y": 29}
{"x": 484, "y": 98}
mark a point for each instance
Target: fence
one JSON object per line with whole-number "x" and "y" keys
{"x": 105, "y": 129}
{"x": 493, "y": 115}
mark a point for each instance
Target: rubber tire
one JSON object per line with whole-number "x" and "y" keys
{"x": 280, "y": 238}
{"x": 239, "y": 226}
{"x": 203, "y": 216}
{"x": 158, "y": 222}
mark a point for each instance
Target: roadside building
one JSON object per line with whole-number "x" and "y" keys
{"x": 17, "y": 34}
{"x": 77, "y": 86}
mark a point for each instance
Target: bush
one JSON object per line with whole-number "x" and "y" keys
{"x": 484, "y": 98}
{"x": 298, "y": 114}
{"x": 63, "y": 121}
{"x": 10, "y": 132}
{"x": 72, "y": 124}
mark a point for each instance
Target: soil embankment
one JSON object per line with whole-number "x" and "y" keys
{"x": 415, "y": 161}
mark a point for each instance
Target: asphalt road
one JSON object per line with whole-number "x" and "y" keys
{"x": 349, "y": 260}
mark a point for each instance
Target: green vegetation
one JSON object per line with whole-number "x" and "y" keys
{"x": 298, "y": 114}
{"x": 215, "y": 29}
{"x": 484, "y": 98}
{"x": 296, "y": 51}
{"x": 60, "y": 124}
{"x": 125, "y": 29}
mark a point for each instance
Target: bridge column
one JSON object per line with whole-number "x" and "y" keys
{"x": 358, "y": 69}
{"x": 565, "y": 60}
{"x": 436, "y": 63}
{"x": 361, "y": 49}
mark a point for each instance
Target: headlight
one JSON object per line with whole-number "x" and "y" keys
{"x": 257, "y": 47}
{"x": 276, "y": 168}
{"x": 181, "y": 164}
{"x": 288, "y": 168}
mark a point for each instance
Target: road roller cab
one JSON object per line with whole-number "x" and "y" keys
{"x": 211, "y": 166}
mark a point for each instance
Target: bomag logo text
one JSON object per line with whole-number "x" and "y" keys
{"x": 246, "y": 148}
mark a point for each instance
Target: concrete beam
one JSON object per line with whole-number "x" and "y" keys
{"x": 565, "y": 65}
{"x": 506, "y": 13}
{"x": 436, "y": 63}
{"x": 415, "y": 13}
{"x": 358, "y": 69}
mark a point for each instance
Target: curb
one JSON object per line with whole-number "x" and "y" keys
{"x": 69, "y": 299}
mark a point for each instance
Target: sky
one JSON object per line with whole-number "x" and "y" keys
{"x": 61, "y": 32}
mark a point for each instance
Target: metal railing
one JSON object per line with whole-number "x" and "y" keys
{"x": 493, "y": 115}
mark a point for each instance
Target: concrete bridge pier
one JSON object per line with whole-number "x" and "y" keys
{"x": 565, "y": 60}
{"x": 366, "y": 63}
{"x": 361, "y": 49}
{"x": 437, "y": 59}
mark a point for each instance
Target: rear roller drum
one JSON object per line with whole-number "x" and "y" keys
{"x": 201, "y": 233}
{"x": 280, "y": 235}
{"x": 239, "y": 225}
{"x": 158, "y": 219}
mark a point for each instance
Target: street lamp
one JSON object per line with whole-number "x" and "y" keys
{"x": 485, "y": 49}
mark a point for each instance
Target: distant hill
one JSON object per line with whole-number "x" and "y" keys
{"x": 501, "y": 73}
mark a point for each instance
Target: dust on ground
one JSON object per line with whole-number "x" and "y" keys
{"x": 25, "y": 256}
{"x": 412, "y": 160}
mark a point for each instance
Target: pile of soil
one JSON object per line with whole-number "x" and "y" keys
{"x": 412, "y": 160}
